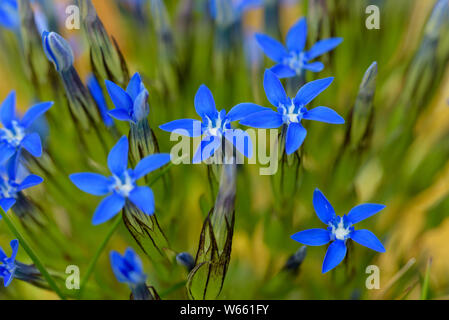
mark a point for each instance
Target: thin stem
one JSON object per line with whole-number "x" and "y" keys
{"x": 97, "y": 255}
{"x": 37, "y": 262}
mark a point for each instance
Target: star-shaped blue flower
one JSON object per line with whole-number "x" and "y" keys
{"x": 8, "y": 265}
{"x": 14, "y": 135}
{"x": 340, "y": 229}
{"x": 293, "y": 60}
{"x": 214, "y": 126}
{"x": 128, "y": 268}
{"x": 122, "y": 185}
{"x": 130, "y": 105}
{"x": 291, "y": 111}
{"x": 13, "y": 180}
{"x": 9, "y": 14}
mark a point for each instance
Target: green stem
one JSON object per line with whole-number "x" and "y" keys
{"x": 37, "y": 262}
{"x": 97, "y": 255}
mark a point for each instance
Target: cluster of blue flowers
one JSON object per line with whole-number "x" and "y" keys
{"x": 131, "y": 105}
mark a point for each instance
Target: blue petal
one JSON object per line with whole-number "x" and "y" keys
{"x": 133, "y": 259}
{"x": 8, "y": 109}
{"x": 134, "y": 86}
{"x": 141, "y": 109}
{"x": 118, "y": 266}
{"x": 334, "y": 255}
{"x": 296, "y": 134}
{"x": 143, "y": 198}
{"x": 108, "y": 208}
{"x": 35, "y": 112}
{"x": 120, "y": 114}
{"x": 241, "y": 140}
{"x": 263, "y": 120}
{"x": 323, "y": 46}
{"x": 204, "y": 103}
{"x": 324, "y": 114}
{"x": 282, "y": 71}
{"x": 186, "y": 127}
{"x": 6, "y": 152}
{"x": 92, "y": 183}
{"x": 368, "y": 239}
{"x": 7, "y": 204}
{"x": 311, "y": 90}
{"x": 119, "y": 97}
{"x": 14, "y": 244}
{"x": 274, "y": 90}
{"x": 314, "y": 66}
{"x": 7, "y": 279}
{"x": 272, "y": 48}
{"x": 30, "y": 181}
{"x": 322, "y": 206}
{"x": 312, "y": 237}
{"x": 208, "y": 146}
{"x": 244, "y": 110}
{"x": 118, "y": 157}
{"x": 297, "y": 36}
{"x": 150, "y": 163}
{"x": 32, "y": 144}
{"x": 363, "y": 211}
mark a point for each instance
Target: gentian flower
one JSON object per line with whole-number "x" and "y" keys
{"x": 8, "y": 265}
{"x": 340, "y": 229}
{"x": 97, "y": 93}
{"x": 9, "y": 14}
{"x": 122, "y": 185}
{"x": 291, "y": 111}
{"x": 14, "y": 135}
{"x": 293, "y": 60}
{"x": 214, "y": 125}
{"x": 130, "y": 105}
{"x": 128, "y": 268}
{"x": 58, "y": 50}
{"x": 227, "y": 12}
{"x": 13, "y": 181}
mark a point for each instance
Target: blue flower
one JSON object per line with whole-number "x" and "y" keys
{"x": 58, "y": 51}
{"x": 13, "y": 180}
{"x": 290, "y": 111}
{"x": 121, "y": 186}
{"x": 214, "y": 125}
{"x": 227, "y": 12}
{"x": 130, "y": 105}
{"x": 8, "y": 265}
{"x": 293, "y": 60}
{"x": 9, "y": 14}
{"x": 339, "y": 230}
{"x": 14, "y": 135}
{"x": 128, "y": 268}
{"x": 97, "y": 93}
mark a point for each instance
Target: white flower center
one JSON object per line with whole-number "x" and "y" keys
{"x": 340, "y": 232}
{"x": 15, "y": 135}
{"x": 295, "y": 61}
{"x": 215, "y": 129}
{"x": 289, "y": 113}
{"x": 123, "y": 186}
{"x": 7, "y": 191}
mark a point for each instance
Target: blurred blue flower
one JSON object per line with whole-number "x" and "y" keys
{"x": 214, "y": 126}
{"x": 58, "y": 51}
{"x": 290, "y": 111}
{"x": 97, "y": 93}
{"x": 293, "y": 60}
{"x": 14, "y": 179}
{"x": 122, "y": 185}
{"x": 9, "y": 14}
{"x": 14, "y": 135}
{"x": 227, "y": 12}
{"x": 8, "y": 265}
{"x": 339, "y": 230}
{"x": 128, "y": 268}
{"x": 130, "y": 105}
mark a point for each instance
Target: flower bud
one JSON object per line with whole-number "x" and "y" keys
{"x": 57, "y": 50}
{"x": 185, "y": 259}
